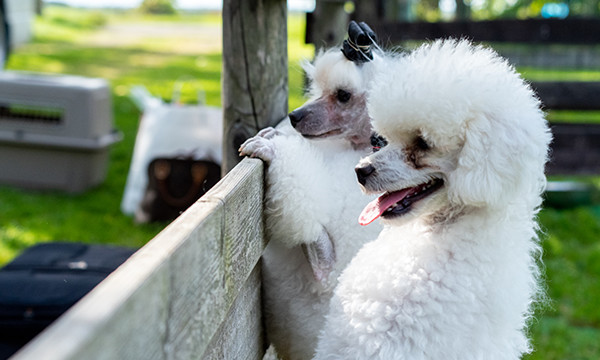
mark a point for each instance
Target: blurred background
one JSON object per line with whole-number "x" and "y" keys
{"x": 159, "y": 44}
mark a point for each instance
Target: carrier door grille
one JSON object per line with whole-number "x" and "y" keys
{"x": 33, "y": 114}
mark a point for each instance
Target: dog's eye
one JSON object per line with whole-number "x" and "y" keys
{"x": 343, "y": 96}
{"x": 377, "y": 142}
{"x": 421, "y": 144}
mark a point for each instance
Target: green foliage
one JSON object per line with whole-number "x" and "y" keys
{"x": 429, "y": 10}
{"x": 158, "y": 7}
{"x": 74, "y": 19}
{"x": 523, "y": 9}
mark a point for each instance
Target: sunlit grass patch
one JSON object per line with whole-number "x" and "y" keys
{"x": 63, "y": 46}
{"x": 560, "y": 74}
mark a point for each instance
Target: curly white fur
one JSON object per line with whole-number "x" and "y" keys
{"x": 455, "y": 277}
{"x": 312, "y": 197}
{"x": 310, "y": 190}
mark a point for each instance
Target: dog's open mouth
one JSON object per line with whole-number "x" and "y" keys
{"x": 323, "y": 135}
{"x": 397, "y": 203}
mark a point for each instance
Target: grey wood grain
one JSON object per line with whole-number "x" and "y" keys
{"x": 179, "y": 293}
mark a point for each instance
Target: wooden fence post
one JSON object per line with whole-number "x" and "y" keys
{"x": 255, "y": 71}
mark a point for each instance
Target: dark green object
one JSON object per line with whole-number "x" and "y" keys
{"x": 567, "y": 194}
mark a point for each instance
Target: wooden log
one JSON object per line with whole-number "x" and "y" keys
{"x": 254, "y": 77}
{"x": 181, "y": 291}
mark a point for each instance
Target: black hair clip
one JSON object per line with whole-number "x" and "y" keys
{"x": 357, "y": 47}
{"x": 377, "y": 142}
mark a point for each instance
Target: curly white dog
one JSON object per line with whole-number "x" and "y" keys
{"x": 453, "y": 275}
{"x": 312, "y": 199}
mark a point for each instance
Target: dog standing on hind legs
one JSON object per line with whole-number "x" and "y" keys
{"x": 453, "y": 275}
{"x": 311, "y": 199}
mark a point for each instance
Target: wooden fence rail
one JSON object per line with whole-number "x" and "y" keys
{"x": 540, "y": 31}
{"x": 193, "y": 292}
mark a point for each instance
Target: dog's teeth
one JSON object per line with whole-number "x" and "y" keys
{"x": 392, "y": 207}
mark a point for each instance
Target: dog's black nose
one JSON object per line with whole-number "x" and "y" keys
{"x": 296, "y": 116}
{"x": 363, "y": 172}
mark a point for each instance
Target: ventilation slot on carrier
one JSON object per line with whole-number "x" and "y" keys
{"x": 31, "y": 113}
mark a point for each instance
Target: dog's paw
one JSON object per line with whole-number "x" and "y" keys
{"x": 260, "y": 146}
{"x": 269, "y": 133}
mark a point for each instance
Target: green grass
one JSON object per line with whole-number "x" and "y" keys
{"x": 558, "y": 74}
{"x": 71, "y": 41}
{"x": 569, "y": 326}
{"x": 74, "y": 41}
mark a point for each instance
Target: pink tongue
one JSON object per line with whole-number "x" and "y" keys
{"x": 376, "y": 207}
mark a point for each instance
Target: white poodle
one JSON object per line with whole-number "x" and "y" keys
{"x": 454, "y": 273}
{"x": 312, "y": 200}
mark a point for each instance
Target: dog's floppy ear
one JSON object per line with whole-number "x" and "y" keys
{"x": 321, "y": 257}
{"x": 309, "y": 68}
{"x": 496, "y": 164}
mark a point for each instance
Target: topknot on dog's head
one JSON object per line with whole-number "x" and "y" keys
{"x": 353, "y": 67}
{"x": 467, "y": 99}
{"x": 331, "y": 70}
{"x": 358, "y": 46}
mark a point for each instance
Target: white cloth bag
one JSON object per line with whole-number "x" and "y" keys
{"x": 169, "y": 130}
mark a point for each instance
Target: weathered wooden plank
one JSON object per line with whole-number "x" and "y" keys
{"x": 172, "y": 296}
{"x": 254, "y": 77}
{"x": 569, "y": 95}
{"x": 541, "y": 31}
{"x": 242, "y": 322}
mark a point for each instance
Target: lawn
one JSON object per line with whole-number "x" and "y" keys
{"x": 117, "y": 46}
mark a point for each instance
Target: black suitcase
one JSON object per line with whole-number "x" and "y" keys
{"x": 44, "y": 281}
